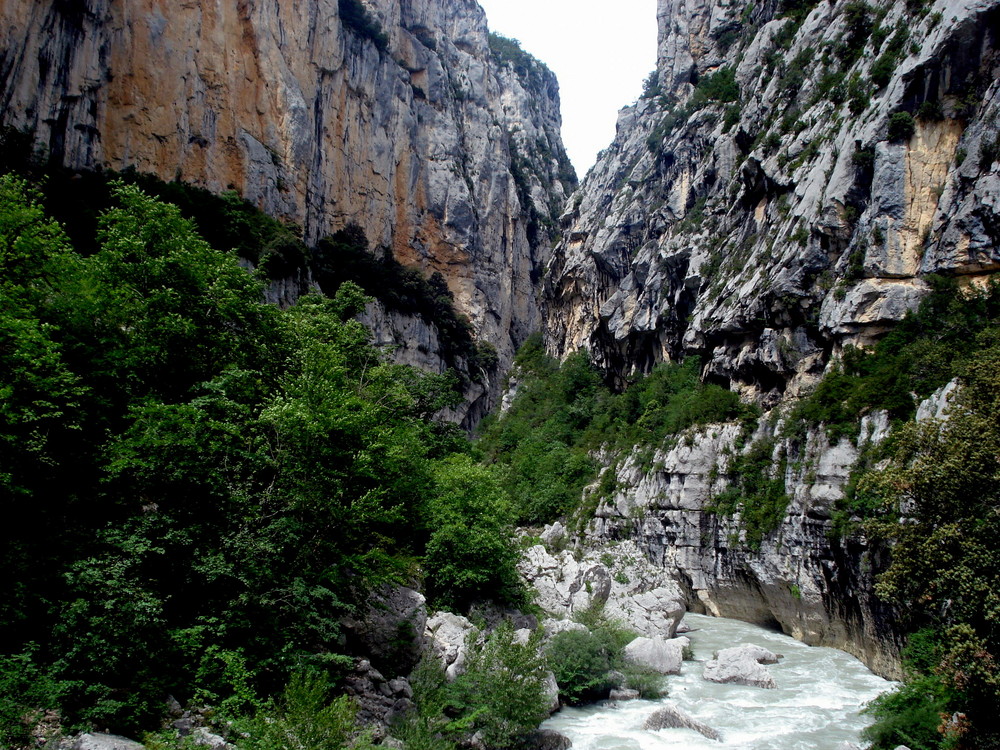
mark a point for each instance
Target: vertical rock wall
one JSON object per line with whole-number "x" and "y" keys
{"x": 414, "y": 139}
{"x": 763, "y": 223}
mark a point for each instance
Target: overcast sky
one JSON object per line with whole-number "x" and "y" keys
{"x": 601, "y": 52}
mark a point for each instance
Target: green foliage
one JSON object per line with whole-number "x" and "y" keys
{"x": 989, "y": 152}
{"x": 508, "y": 52}
{"x": 471, "y": 549}
{"x": 910, "y": 714}
{"x": 930, "y": 111}
{"x": 583, "y": 660}
{"x": 901, "y": 126}
{"x": 797, "y": 10}
{"x": 305, "y": 718}
{"x": 756, "y": 491}
{"x": 581, "y": 663}
{"x": 354, "y": 16}
{"x": 720, "y": 86}
{"x": 501, "y": 695}
{"x": 922, "y": 353}
{"x": 858, "y": 24}
{"x": 345, "y": 256}
{"x": 935, "y": 495}
{"x": 564, "y": 412}
{"x": 651, "y": 86}
{"x": 883, "y": 67}
{"x": 219, "y": 482}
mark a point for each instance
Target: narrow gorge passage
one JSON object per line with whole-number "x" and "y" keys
{"x": 816, "y": 706}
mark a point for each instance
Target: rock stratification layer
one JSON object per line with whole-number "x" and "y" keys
{"x": 404, "y": 122}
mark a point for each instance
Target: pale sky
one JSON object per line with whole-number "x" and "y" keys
{"x": 601, "y": 52}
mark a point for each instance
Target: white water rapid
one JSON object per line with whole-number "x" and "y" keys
{"x": 816, "y": 705}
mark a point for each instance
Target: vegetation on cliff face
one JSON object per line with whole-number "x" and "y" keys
{"x": 563, "y": 413}
{"x": 209, "y": 479}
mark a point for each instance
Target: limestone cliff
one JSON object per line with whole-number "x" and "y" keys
{"x": 397, "y": 117}
{"x": 792, "y": 173}
{"x": 783, "y": 186}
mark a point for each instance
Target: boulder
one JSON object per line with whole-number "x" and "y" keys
{"x": 671, "y": 717}
{"x": 390, "y": 631}
{"x": 204, "y": 738}
{"x": 624, "y": 694}
{"x": 554, "y": 535}
{"x": 659, "y": 654}
{"x": 546, "y": 739}
{"x": 742, "y": 665}
{"x": 446, "y": 633}
{"x": 98, "y": 741}
{"x": 550, "y": 689}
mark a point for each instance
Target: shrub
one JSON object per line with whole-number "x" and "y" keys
{"x": 356, "y": 17}
{"x": 989, "y": 152}
{"x": 305, "y": 717}
{"x": 930, "y": 111}
{"x": 580, "y": 662}
{"x": 720, "y": 86}
{"x": 901, "y": 126}
{"x": 501, "y": 695}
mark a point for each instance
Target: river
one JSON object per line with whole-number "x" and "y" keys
{"x": 816, "y": 705}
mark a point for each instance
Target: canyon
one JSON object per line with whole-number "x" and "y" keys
{"x": 781, "y": 191}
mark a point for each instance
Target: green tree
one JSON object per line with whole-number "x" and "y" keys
{"x": 502, "y": 694}
{"x": 471, "y": 554}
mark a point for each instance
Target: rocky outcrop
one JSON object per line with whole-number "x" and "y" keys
{"x": 802, "y": 576}
{"x": 447, "y": 635}
{"x": 616, "y": 577}
{"x": 742, "y": 665}
{"x": 444, "y": 151}
{"x": 783, "y": 188}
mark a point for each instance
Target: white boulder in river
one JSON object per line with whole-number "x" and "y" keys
{"x": 742, "y": 665}
{"x": 659, "y": 654}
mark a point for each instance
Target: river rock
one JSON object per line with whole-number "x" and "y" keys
{"x": 546, "y": 739}
{"x": 550, "y": 689}
{"x": 624, "y": 694}
{"x": 99, "y": 741}
{"x": 742, "y": 665}
{"x": 660, "y": 655}
{"x": 671, "y": 717}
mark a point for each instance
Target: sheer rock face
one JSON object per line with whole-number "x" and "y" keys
{"x": 314, "y": 124}
{"x": 761, "y": 222}
{"x": 803, "y": 577}
{"x": 762, "y": 234}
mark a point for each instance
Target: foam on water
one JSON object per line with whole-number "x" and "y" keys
{"x": 816, "y": 705}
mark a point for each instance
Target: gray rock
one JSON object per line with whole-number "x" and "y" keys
{"x": 550, "y": 689}
{"x": 98, "y": 741}
{"x": 446, "y": 633}
{"x": 554, "y": 534}
{"x": 671, "y": 717}
{"x": 742, "y": 665}
{"x": 624, "y": 694}
{"x": 394, "y": 612}
{"x": 204, "y": 738}
{"x": 658, "y": 654}
{"x": 547, "y": 739}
